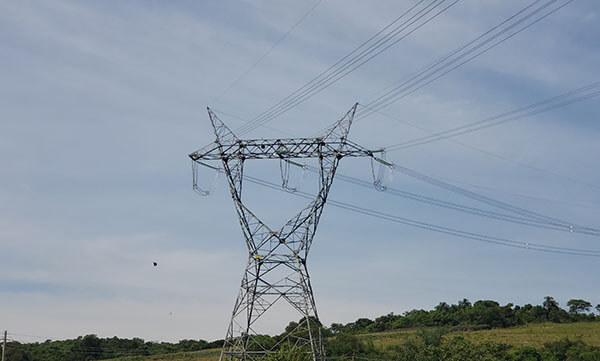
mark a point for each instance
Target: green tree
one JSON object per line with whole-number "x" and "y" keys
{"x": 86, "y": 348}
{"x": 464, "y": 304}
{"x": 487, "y": 313}
{"x": 336, "y": 327}
{"x": 14, "y": 352}
{"x": 550, "y": 304}
{"x": 578, "y": 307}
{"x": 553, "y": 312}
{"x": 382, "y": 323}
{"x": 442, "y": 307}
{"x": 362, "y": 323}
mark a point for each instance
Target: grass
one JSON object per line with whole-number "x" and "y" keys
{"x": 534, "y": 334}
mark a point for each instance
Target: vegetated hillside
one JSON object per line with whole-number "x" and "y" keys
{"x": 484, "y": 328}
{"x": 533, "y": 334}
{"x": 537, "y": 335}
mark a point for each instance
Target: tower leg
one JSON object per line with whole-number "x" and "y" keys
{"x": 266, "y": 282}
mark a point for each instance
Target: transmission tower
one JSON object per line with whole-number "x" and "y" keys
{"x": 276, "y": 268}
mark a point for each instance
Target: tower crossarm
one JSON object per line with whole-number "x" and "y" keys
{"x": 281, "y": 149}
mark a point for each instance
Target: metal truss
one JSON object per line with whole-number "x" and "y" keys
{"x": 276, "y": 268}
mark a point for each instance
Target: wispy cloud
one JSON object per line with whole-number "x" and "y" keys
{"x": 101, "y": 102}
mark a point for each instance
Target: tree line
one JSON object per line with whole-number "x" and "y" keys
{"x": 341, "y": 342}
{"x": 91, "y": 347}
{"x": 481, "y": 314}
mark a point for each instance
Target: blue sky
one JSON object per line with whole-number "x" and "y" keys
{"x": 101, "y": 102}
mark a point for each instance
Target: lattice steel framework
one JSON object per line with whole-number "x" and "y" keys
{"x": 276, "y": 268}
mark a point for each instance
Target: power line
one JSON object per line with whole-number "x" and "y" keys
{"x": 260, "y": 59}
{"x": 350, "y": 62}
{"x": 333, "y": 67}
{"x": 435, "y": 136}
{"x": 454, "y": 59}
{"x": 293, "y": 99}
{"x": 424, "y": 76}
{"x": 502, "y": 205}
{"x": 459, "y": 207}
{"x": 30, "y": 336}
{"x": 577, "y": 95}
{"x": 340, "y": 73}
{"x": 95, "y": 350}
{"x": 437, "y": 228}
{"x": 525, "y": 196}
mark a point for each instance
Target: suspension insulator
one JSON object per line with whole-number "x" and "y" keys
{"x": 200, "y": 190}
{"x": 384, "y": 174}
{"x": 284, "y": 167}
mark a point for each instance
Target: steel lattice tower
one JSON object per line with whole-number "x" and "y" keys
{"x": 276, "y": 268}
